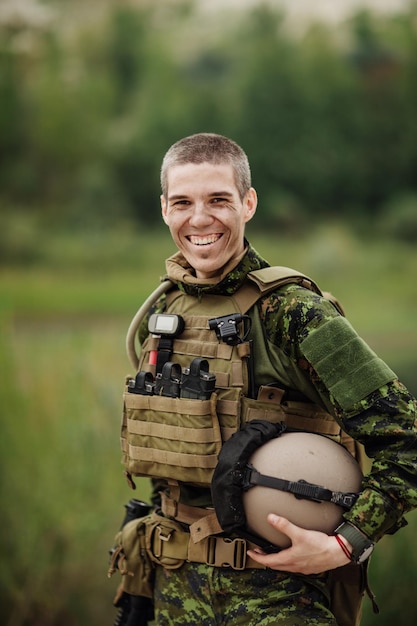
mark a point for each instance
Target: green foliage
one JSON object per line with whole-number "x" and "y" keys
{"x": 399, "y": 218}
{"x": 65, "y": 488}
{"x": 392, "y": 572}
{"x": 91, "y": 96}
{"x": 89, "y": 106}
{"x": 63, "y": 321}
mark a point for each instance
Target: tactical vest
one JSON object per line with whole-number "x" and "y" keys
{"x": 179, "y": 439}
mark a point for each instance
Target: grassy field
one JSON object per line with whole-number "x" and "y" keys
{"x": 62, "y": 328}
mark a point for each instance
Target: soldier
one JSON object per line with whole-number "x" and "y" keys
{"x": 314, "y": 355}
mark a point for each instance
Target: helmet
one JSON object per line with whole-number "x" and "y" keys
{"x": 307, "y": 478}
{"x": 306, "y": 459}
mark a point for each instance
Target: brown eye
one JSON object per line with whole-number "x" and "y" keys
{"x": 219, "y": 200}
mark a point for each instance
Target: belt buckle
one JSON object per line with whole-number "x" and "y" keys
{"x": 159, "y": 538}
{"x": 225, "y": 552}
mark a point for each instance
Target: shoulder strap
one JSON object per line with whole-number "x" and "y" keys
{"x": 270, "y": 277}
{"x": 267, "y": 279}
{"x": 260, "y": 282}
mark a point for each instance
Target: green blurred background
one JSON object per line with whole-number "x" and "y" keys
{"x": 91, "y": 96}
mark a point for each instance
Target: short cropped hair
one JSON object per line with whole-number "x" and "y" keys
{"x": 208, "y": 148}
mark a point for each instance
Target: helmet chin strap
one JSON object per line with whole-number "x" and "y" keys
{"x": 300, "y": 489}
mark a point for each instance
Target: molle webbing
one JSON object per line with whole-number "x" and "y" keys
{"x": 164, "y": 437}
{"x": 180, "y": 439}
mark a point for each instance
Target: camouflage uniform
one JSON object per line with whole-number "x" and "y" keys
{"x": 368, "y": 402}
{"x": 204, "y": 595}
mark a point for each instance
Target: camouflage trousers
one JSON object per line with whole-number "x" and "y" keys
{"x": 197, "y": 594}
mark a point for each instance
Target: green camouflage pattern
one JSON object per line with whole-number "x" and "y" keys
{"x": 210, "y": 596}
{"x": 384, "y": 421}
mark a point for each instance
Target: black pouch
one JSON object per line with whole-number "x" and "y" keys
{"x": 228, "y": 478}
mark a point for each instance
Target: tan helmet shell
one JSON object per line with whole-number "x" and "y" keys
{"x": 299, "y": 456}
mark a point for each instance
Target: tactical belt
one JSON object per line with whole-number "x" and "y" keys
{"x": 171, "y": 547}
{"x": 196, "y": 545}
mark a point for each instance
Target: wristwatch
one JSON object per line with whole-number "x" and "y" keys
{"x": 362, "y": 546}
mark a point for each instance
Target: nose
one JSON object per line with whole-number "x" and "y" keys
{"x": 200, "y": 215}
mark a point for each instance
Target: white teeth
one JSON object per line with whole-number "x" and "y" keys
{"x": 203, "y": 241}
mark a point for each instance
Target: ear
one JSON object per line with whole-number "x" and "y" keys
{"x": 250, "y": 203}
{"x": 164, "y": 208}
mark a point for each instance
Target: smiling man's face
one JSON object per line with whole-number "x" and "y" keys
{"x": 206, "y": 215}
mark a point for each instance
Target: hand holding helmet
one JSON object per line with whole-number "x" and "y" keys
{"x": 310, "y": 552}
{"x": 286, "y": 491}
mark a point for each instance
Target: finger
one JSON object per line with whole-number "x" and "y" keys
{"x": 259, "y": 556}
{"x": 282, "y": 524}
{"x": 275, "y": 560}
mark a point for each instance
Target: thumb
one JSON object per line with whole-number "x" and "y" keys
{"x": 281, "y": 524}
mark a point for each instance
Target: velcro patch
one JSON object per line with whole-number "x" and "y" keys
{"x": 345, "y": 363}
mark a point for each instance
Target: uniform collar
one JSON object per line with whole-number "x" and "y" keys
{"x": 230, "y": 279}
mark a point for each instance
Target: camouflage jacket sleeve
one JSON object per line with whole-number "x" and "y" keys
{"x": 363, "y": 394}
